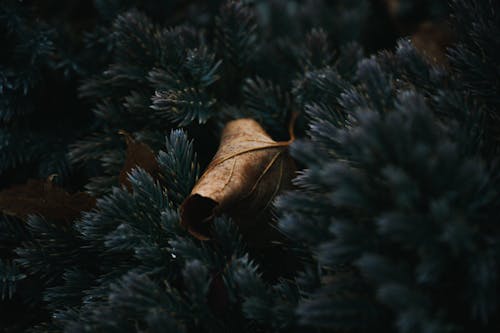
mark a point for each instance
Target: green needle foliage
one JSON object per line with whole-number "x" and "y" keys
{"x": 392, "y": 222}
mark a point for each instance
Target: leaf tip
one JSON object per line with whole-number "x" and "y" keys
{"x": 197, "y": 212}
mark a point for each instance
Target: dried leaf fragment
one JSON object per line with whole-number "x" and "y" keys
{"x": 46, "y": 199}
{"x": 138, "y": 155}
{"x": 432, "y": 39}
{"x": 245, "y": 175}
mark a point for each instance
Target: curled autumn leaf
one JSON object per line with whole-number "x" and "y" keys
{"x": 138, "y": 155}
{"x": 245, "y": 175}
{"x": 46, "y": 199}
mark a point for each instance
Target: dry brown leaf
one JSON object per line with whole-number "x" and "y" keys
{"x": 245, "y": 175}
{"x": 46, "y": 199}
{"x": 138, "y": 155}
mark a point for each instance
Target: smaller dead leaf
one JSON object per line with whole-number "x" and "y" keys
{"x": 218, "y": 297}
{"x": 432, "y": 39}
{"x": 392, "y": 7}
{"x": 138, "y": 155}
{"x": 247, "y": 172}
{"x": 46, "y": 199}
